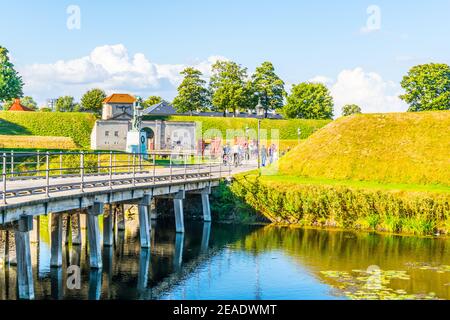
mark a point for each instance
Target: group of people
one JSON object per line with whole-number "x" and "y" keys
{"x": 237, "y": 153}
{"x": 269, "y": 154}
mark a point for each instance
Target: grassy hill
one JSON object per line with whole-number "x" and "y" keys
{"x": 36, "y": 142}
{"x": 411, "y": 148}
{"x": 77, "y": 126}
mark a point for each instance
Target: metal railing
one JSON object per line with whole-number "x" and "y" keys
{"x": 28, "y": 173}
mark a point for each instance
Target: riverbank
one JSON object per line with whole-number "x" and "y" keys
{"x": 371, "y": 207}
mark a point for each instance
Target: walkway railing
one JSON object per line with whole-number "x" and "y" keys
{"x": 29, "y": 173}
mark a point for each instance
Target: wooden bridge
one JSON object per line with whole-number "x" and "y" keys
{"x": 94, "y": 184}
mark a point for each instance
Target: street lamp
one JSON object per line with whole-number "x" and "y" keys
{"x": 258, "y": 143}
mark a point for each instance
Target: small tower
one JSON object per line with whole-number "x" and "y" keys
{"x": 259, "y": 109}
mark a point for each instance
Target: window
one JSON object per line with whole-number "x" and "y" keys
{"x": 116, "y": 133}
{"x": 106, "y": 133}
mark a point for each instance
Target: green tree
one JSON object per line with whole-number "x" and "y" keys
{"x": 150, "y": 101}
{"x": 228, "y": 87}
{"x": 92, "y": 101}
{"x": 269, "y": 87}
{"x": 350, "y": 109}
{"x": 11, "y": 83}
{"x": 309, "y": 101}
{"x": 26, "y": 101}
{"x": 65, "y": 104}
{"x": 427, "y": 87}
{"x": 192, "y": 93}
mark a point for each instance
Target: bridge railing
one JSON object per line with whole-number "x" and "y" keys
{"x": 27, "y": 173}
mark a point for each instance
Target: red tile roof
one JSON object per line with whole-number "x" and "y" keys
{"x": 16, "y": 106}
{"x": 120, "y": 98}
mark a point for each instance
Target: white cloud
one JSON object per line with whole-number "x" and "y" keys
{"x": 366, "y": 89}
{"x": 321, "y": 79}
{"x": 109, "y": 67}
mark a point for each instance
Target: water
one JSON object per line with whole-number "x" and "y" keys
{"x": 244, "y": 262}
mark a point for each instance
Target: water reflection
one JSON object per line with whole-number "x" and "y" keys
{"x": 217, "y": 261}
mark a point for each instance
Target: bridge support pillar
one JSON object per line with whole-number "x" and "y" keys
{"x": 108, "y": 218}
{"x": 75, "y": 224}
{"x": 56, "y": 240}
{"x": 144, "y": 225}
{"x": 95, "y": 250}
{"x": 23, "y": 254}
{"x": 205, "y": 204}
{"x": 179, "y": 215}
{"x": 120, "y": 217}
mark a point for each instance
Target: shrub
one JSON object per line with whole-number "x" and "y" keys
{"x": 422, "y": 213}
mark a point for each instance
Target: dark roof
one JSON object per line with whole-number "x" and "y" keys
{"x": 163, "y": 108}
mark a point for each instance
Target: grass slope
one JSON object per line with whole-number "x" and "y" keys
{"x": 77, "y": 126}
{"x": 405, "y": 148}
{"x": 36, "y": 142}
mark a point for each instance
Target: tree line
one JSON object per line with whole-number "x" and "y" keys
{"x": 231, "y": 89}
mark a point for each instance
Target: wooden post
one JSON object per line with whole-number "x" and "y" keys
{"x": 108, "y": 269}
{"x": 6, "y": 247}
{"x": 179, "y": 215}
{"x": 152, "y": 210}
{"x": 95, "y": 250}
{"x": 75, "y": 224}
{"x": 120, "y": 217}
{"x": 56, "y": 283}
{"x": 23, "y": 256}
{"x": 75, "y": 257}
{"x": 56, "y": 240}
{"x": 144, "y": 225}
{"x": 108, "y": 227}
{"x": 67, "y": 233}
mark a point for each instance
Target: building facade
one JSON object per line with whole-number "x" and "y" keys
{"x": 110, "y": 133}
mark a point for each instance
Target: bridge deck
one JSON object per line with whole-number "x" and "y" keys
{"x": 25, "y": 192}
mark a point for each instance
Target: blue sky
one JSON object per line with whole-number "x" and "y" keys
{"x": 306, "y": 40}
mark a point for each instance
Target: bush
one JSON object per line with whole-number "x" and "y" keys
{"x": 422, "y": 213}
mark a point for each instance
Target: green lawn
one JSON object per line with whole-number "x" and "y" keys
{"x": 356, "y": 184}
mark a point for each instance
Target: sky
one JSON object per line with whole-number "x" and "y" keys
{"x": 359, "y": 49}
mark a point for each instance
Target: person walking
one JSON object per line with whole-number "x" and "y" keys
{"x": 263, "y": 156}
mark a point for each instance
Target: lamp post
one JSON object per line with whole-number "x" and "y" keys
{"x": 137, "y": 125}
{"x": 258, "y": 142}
